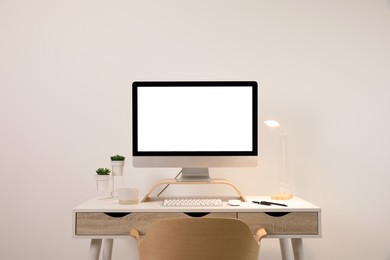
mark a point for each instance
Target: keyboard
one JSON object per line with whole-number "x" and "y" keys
{"x": 191, "y": 202}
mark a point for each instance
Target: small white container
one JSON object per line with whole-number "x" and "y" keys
{"x": 128, "y": 196}
{"x": 103, "y": 182}
{"x": 117, "y": 168}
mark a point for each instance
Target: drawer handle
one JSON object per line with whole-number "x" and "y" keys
{"x": 116, "y": 214}
{"x": 196, "y": 214}
{"x": 277, "y": 214}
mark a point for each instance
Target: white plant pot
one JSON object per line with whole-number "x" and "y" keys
{"x": 103, "y": 182}
{"x": 117, "y": 168}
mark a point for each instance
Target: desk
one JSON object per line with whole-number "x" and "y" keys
{"x": 104, "y": 219}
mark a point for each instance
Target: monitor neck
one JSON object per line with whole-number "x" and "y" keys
{"x": 195, "y": 175}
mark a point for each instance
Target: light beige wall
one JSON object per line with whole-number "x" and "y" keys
{"x": 65, "y": 73}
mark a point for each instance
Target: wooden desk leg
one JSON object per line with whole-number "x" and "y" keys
{"x": 94, "y": 249}
{"x": 297, "y": 246}
{"x": 285, "y": 248}
{"x": 107, "y": 249}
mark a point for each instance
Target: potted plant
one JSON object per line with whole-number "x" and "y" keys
{"x": 102, "y": 179}
{"x": 117, "y": 162}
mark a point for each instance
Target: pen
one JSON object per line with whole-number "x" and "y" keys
{"x": 269, "y": 203}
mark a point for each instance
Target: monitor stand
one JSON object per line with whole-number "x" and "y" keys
{"x": 193, "y": 176}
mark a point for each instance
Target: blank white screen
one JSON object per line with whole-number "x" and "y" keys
{"x": 194, "y": 119}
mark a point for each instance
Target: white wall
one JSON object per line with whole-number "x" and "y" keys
{"x": 65, "y": 73}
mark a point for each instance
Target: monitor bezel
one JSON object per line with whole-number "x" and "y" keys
{"x": 252, "y": 84}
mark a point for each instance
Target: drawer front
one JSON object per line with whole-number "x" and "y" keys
{"x": 293, "y": 223}
{"x": 99, "y": 223}
{"x": 196, "y": 214}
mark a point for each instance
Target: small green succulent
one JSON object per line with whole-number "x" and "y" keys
{"x": 103, "y": 171}
{"x": 117, "y": 158}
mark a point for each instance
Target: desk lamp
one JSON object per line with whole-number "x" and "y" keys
{"x": 284, "y": 189}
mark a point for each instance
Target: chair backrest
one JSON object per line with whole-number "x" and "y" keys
{"x": 199, "y": 239}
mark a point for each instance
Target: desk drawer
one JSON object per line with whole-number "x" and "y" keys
{"x": 287, "y": 223}
{"x": 196, "y": 214}
{"x": 99, "y": 223}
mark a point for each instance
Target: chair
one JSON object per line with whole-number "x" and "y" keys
{"x": 199, "y": 239}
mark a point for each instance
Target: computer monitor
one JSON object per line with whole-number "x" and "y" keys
{"x": 194, "y": 125}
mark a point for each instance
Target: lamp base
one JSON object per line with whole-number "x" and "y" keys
{"x": 282, "y": 196}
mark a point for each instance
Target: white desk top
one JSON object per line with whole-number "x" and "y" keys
{"x": 108, "y": 204}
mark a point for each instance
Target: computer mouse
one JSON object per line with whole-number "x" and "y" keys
{"x": 234, "y": 202}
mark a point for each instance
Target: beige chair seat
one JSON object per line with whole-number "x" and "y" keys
{"x": 199, "y": 239}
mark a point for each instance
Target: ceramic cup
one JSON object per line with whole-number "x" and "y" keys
{"x": 128, "y": 196}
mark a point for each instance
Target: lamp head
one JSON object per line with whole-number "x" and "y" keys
{"x": 272, "y": 123}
